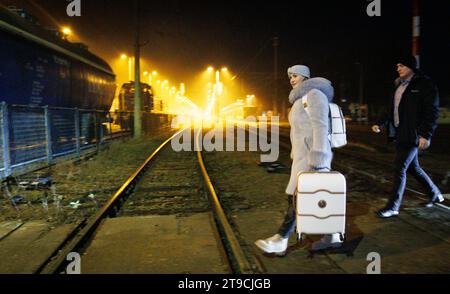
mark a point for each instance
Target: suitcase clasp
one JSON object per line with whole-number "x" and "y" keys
{"x": 322, "y": 203}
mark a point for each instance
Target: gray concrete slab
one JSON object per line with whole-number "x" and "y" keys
{"x": 23, "y": 251}
{"x": 404, "y": 245}
{"x": 155, "y": 244}
{"x": 255, "y": 224}
{"x": 415, "y": 242}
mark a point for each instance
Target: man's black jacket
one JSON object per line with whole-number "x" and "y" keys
{"x": 418, "y": 111}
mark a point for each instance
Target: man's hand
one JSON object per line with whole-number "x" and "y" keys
{"x": 376, "y": 128}
{"x": 423, "y": 143}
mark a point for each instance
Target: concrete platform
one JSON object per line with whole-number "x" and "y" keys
{"x": 256, "y": 224}
{"x": 418, "y": 241}
{"x": 409, "y": 243}
{"x": 405, "y": 244}
{"x": 155, "y": 244}
{"x": 8, "y": 227}
{"x": 26, "y": 248}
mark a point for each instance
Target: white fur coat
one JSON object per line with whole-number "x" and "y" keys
{"x": 311, "y": 148}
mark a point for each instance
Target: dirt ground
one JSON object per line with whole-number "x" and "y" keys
{"x": 78, "y": 188}
{"x": 415, "y": 242}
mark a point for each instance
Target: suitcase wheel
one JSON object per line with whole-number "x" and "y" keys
{"x": 342, "y": 237}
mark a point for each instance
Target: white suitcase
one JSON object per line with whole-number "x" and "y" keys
{"x": 321, "y": 203}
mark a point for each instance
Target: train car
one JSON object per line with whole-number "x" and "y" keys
{"x": 239, "y": 110}
{"x": 38, "y": 67}
{"x": 126, "y": 97}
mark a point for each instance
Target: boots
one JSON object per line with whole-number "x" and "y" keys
{"x": 288, "y": 225}
{"x": 278, "y": 243}
{"x": 327, "y": 242}
{"x": 275, "y": 244}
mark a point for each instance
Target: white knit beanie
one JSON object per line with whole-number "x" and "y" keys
{"x": 302, "y": 70}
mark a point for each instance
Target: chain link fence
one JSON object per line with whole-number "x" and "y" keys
{"x": 34, "y": 137}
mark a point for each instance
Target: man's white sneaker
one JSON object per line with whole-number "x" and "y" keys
{"x": 387, "y": 213}
{"x": 437, "y": 199}
{"x": 274, "y": 244}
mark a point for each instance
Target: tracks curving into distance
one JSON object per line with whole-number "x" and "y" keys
{"x": 128, "y": 200}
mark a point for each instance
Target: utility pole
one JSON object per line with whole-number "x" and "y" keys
{"x": 416, "y": 31}
{"x": 275, "y": 75}
{"x": 137, "y": 75}
{"x": 361, "y": 89}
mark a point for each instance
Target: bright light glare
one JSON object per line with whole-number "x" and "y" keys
{"x": 214, "y": 89}
{"x": 66, "y": 31}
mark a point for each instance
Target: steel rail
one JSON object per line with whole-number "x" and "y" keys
{"x": 242, "y": 265}
{"x": 416, "y": 193}
{"x": 56, "y": 263}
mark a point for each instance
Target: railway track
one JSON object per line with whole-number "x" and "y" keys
{"x": 167, "y": 183}
{"x": 379, "y": 155}
{"x": 369, "y": 168}
{"x": 177, "y": 183}
{"x": 417, "y": 231}
{"x": 373, "y": 159}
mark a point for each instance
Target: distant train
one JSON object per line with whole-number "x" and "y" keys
{"x": 239, "y": 110}
{"x": 126, "y": 97}
{"x": 38, "y": 67}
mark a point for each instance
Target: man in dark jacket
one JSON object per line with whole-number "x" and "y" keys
{"x": 411, "y": 123}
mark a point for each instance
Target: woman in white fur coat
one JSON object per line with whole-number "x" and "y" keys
{"x": 311, "y": 149}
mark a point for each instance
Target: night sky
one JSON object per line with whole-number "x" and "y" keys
{"x": 332, "y": 37}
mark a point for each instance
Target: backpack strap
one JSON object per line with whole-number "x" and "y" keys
{"x": 305, "y": 106}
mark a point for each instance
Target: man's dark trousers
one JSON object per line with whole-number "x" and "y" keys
{"x": 407, "y": 161}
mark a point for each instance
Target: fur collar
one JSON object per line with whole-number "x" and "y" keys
{"x": 320, "y": 84}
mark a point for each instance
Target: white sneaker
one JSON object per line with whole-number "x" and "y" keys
{"x": 438, "y": 199}
{"x": 387, "y": 213}
{"x": 327, "y": 242}
{"x": 274, "y": 244}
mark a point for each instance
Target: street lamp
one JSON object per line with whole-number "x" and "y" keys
{"x": 218, "y": 87}
{"x": 150, "y": 76}
{"x": 130, "y": 65}
{"x": 250, "y": 100}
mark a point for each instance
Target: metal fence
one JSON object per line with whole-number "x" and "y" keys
{"x": 32, "y": 137}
